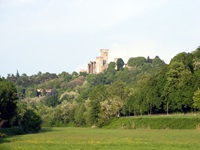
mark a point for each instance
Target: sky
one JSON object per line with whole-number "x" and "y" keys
{"x": 64, "y": 35}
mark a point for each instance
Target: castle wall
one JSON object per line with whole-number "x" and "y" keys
{"x": 92, "y": 67}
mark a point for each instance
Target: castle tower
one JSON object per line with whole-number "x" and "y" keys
{"x": 100, "y": 64}
{"x": 102, "y": 61}
{"x": 104, "y": 54}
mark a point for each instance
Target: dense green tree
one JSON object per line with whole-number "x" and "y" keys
{"x": 8, "y": 97}
{"x": 74, "y": 74}
{"x": 90, "y": 78}
{"x": 196, "y": 99}
{"x": 120, "y": 64}
{"x": 67, "y": 77}
{"x": 117, "y": 89}
{"x": 109, "y": 78}
{"x": 196, "y": 53}
{"x": 78, "y": 116}
{"x": 157, "y": 62}
{"x": 17, "y": 74}
{"x": 97, "y": 95}
{"x": 136, "y": 61}
{"x": 98, "y": 79}
{"x": 196, "y": 60}
{"x": 111, "y": 67}
{"x": 186, "y": 59}
{"x": 51, "y": 99}
{"x": 62, "y": 114}
{"x": 84, "y": 74}
{"x": 110, "y": 108}
{"x": 31, "y": 121}
{"x": 28, "y": 119}
{"x": 172, "y": 99}
{"x": 152, "y": 100}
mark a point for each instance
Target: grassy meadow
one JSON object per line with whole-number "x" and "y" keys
{"x": 87, "y": 138}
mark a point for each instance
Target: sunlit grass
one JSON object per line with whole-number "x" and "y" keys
{"x": 86, "y": 138}
{"x": 174, "y": 121}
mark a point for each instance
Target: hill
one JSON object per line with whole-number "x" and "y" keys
{"x": 145, "y": 86}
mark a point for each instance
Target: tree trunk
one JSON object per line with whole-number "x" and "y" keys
{"x": 167, "y": 108}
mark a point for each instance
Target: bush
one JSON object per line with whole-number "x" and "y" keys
{"x": 2, "y": 135}
{"x": 31, "y": 122}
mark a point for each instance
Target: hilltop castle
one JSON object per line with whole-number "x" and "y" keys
{"x": 101, "y": 63}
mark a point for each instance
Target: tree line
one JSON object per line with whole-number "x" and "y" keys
{"x": 145, "y": 86}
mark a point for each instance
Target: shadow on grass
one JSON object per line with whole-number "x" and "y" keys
{"x": 4, "y": 140}
{"x": 10, "y": 132}
{"x": 46, "y": 129}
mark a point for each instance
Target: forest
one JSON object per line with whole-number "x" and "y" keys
{"x": 144, "y": 87}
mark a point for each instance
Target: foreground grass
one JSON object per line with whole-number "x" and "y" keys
{"x": 86, "y": 138}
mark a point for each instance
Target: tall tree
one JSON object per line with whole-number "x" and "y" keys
{"x": 8, "y": 97}
{"x": 111, "y": 67}
{"x": 120, "y": 64}
{"x": 136, "y": 61}
{"x": 96, "y": 96}
{"x": 196, "y": 99}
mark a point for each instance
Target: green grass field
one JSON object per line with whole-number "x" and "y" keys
{"x": 86, "y": 138}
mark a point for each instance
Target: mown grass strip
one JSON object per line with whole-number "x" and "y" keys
{"x": 156, "y": 122}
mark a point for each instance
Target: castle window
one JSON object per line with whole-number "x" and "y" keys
{"x": 104, "y": 62}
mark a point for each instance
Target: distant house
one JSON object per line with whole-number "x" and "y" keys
{"x": 42, "y": 92}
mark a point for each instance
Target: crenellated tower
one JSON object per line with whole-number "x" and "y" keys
{"x": 100, "y": 64}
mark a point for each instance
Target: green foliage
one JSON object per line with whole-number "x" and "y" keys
{"x": 137, "y": 61}
{"x": 196, "y": 53}
{"x": 117, "y": 88}
{"x": 51, "y": 99}
{"x": 157, "y": 62}
{"x": 31, "y": 121}
{"x": 66, "y": 76}
{"x": 120, "y": 64}
{"x": 84, "y": 74}
{"x": 196, "y": 61}
{"x": 97, "y": 95}
{"x": 196, "y": 99}
{"x": 145, "y": 86}
{"x": 27, "y": 118}
{"x": 8, "y": 97}
{"x": 186, "y": 58}
{"x": 111, "y": 67}
{"x": 78, "y": 116}
{"x": 74, "y": 74}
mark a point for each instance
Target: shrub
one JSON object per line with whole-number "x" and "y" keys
{"x": 2, "y": 135}
{"x": 31, "y": 121}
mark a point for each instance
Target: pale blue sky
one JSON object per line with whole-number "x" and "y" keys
{"x": 64, "y": 35}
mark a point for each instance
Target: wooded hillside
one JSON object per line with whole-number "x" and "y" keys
{"x": 146, "y": 86}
